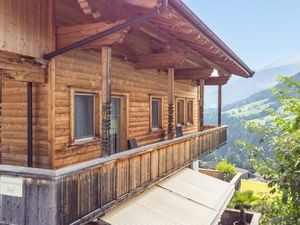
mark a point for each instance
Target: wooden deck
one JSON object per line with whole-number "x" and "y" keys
{"x": 75, "y": 194}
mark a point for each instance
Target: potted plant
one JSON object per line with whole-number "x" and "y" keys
{"x": 229, "y": 170}
{"x": 243, "y": 201}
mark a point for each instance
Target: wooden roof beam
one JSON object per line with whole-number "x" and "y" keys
{"x": 179, "y": 45}
{"x": 193, "y": 74}
{"x": 160, "y": 60}
{"x": 72, "y": 34}
{"x": 149, "y": 4}
{"x": 87, "y": 10}
{"x": 216, "y": 80}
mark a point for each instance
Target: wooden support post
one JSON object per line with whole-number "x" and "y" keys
{"x": 201, "y": 106}
{"x": 51, "y": 84}
{"x": 198, "y": 102}
{"x": 220, "y": 105}
{"x": 106, "y": 100}
{"x": 171, "y": 103}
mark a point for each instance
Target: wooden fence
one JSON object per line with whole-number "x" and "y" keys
{"x": 75, "y": 194}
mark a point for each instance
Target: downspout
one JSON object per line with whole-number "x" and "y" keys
{"x": 29, "y": 125}
{"x": 133, "y": 22}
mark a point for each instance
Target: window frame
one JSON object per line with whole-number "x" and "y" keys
{"x": 160, "y": 113}
{"x": 96, "y": 115}
{"x": 189, "y": 123}
{"x": 183, "y": 113}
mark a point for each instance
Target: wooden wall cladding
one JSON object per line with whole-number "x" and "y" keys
{"x": 25, "y": 25}
{"x": 84, "y": 193}
{"x": 82, "y": 69}
{"x": 77, "y": 69}
{"x": 14, "y": 124}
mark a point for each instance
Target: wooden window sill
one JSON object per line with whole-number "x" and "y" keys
{"x": 155, "y": 131}
{"x": 87, "y": 142}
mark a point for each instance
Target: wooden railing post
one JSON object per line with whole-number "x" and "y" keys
{"x": 219, "y": 105}
{"x": 106, "y": 100}
{"x": 201, "y": 105}
{"x": 170, "y": 103}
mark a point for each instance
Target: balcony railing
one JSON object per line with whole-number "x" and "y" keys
{"x": 76, "y": 194}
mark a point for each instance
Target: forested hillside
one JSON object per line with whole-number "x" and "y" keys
{"x": 253, "y": 108}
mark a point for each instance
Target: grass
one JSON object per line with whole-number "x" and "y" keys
{"x": 250, "y": 109}
{"x": 259, "y": 188}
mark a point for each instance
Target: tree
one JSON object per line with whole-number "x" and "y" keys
{"x": 277, "y": 156}
{"x": 243, "y": 200}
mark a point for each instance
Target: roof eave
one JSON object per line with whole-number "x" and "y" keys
{"x": 190, "y": 16}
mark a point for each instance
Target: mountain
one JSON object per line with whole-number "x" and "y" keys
{"x": 252, "y": 108}
{"x": 240, "y": 88}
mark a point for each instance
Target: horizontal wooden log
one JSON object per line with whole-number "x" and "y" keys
{"x": 72, "y": 34}
{"x": 217, "y": 80}
{"x": 160, "y": 60}
{"x": 193, "y": 74}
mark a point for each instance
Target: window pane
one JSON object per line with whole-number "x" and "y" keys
{"x": 84, "y": 116}
{"x": 155, "y": 113}
{"x": 115, "y": 130}
{"x": 180, "y": 109}
{"x": 190, "y": 112}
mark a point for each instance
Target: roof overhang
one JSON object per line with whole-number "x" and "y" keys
{"x": 200, "y": 38}
{"x": 176, "y": 27}
{"x": 188, "y": 197}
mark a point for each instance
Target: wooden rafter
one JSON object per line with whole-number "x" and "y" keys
{"x": 191, "y": 55}
{"x": 144, "y": 4}
{"x": 160, "y": 60}
{"x": 86, "y": 8}
{"x": 72, "y": 34}
{"x": 182, "y": 30}
{"x": 216, "y": 80}
{"x": 193, "y": 74}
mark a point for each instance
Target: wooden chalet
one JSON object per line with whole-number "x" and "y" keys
{"x": 101, "y": 99}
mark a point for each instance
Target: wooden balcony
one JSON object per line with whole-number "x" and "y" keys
{"x": 75, "y": 194}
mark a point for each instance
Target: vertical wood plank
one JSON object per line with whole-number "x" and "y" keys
{"x": 170, "y": 158}
{"x": 162, "y": 162}
{"x": 154, "y": 165}
{"x": 145, "y": 168}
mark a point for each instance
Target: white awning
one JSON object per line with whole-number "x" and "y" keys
{"x": 186, "y": 198}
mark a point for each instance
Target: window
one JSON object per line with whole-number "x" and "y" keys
{"x": 156, "y": 113}
{"x": 190, "y": 112}
{"x": 85, "y": 115}
{"x": 84, "y": 107}
{"x": 180, "y": 112}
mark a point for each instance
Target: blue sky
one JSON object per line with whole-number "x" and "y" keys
{"x": 259, "y": 31}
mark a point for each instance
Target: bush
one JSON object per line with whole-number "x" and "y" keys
{"x": 229, "y": 170}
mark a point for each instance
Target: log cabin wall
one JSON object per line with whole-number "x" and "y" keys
{"x": 25, "y": 26}
{"x": 82, "y": 70}
{"x": 14, "y": 124}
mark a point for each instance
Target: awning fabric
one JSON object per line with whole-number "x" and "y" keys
{"x": 186, "y": 198}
